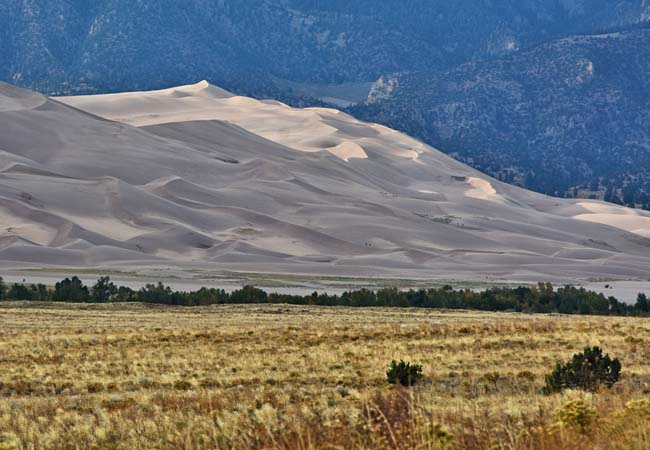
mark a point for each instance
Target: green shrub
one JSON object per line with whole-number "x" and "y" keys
{"x": 404, "y": 373}
{"x": 586, "y": 371}
{"x": 183, "y": 385}
{"x": 19, "y": 292}
{"x": 576, "y": 414}
{"x": 9, "y": 441}
{"x": 94, "y": 388}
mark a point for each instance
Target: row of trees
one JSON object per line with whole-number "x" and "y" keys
{"x": 543, "y": 298}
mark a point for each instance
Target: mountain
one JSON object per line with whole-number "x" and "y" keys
{"x": 567, "y": 118}
{"x": 196, "y": 178}
{"x": 478, "y": 79}
{"x": 113, "y": 45}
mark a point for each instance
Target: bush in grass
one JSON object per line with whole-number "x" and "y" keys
{"x": 9, "y": 441}
{"x": 586, "y": 371}
{"x": 576, "y": 414}
{"x": 404, "y": 373}
{"x": 183, "y": 385}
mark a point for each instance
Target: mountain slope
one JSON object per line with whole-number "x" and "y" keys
{"x": 568, "y": 117}
{"x": 197, "y": 177}
{"x": 478, "y": 79}
{"x": 113, "y": 45}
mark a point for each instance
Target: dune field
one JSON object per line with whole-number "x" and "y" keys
{"x": 195, "y": 178}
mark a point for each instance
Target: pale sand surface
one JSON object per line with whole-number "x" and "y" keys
{"x": 194, "y": 178}
{"x": 624, "y": 218}
{"x": 482, "y": 190}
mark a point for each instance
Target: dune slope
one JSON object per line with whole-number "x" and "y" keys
{"x": 195, "y": 177}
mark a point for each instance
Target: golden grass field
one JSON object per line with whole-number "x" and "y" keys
{"x": 295, "y": 377}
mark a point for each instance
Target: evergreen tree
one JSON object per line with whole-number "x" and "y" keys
{"x": 642, "y": 304}
{"x": 156, "y": 293}
{"x": 71, "y": 290}
{"x": 19, "y": 292}
{"x": 609, "y": 194}
{"x": 103, "y": 290}
{"x": 42, "y": 292}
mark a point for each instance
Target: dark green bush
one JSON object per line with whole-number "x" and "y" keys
{"x": 71, "y": 290}
{"x": 19, "y": 292}
{"x": 404, "y": 373}
{"x": 103, "y": 290}
{"x": 586, "y": 371}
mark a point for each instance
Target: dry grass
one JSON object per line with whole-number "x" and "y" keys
{"x": 136, "y": 377}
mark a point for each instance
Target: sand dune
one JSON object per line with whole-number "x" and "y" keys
{"x": 624, "y": 218}
{"x": 482, "y": 190}
{"x": 196, "y": 178}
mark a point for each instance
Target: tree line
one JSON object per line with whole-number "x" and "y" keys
{"x": 543, "y": 298}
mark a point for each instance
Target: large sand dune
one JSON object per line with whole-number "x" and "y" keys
{"x": 195, "y": 177}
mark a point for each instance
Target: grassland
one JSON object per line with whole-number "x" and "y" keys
{"x": 136, "y": 377}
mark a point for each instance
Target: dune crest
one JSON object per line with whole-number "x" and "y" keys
{"x": 308, "y": 130}
{"x": 624, "y": 218}
{"x": 15, "y": 99}
{"x": 482, "y": 190}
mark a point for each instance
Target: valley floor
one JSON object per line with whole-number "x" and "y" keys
{"x": 140, "y": 376}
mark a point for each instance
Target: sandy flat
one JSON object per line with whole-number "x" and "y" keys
{"x": 195, "y": 178}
